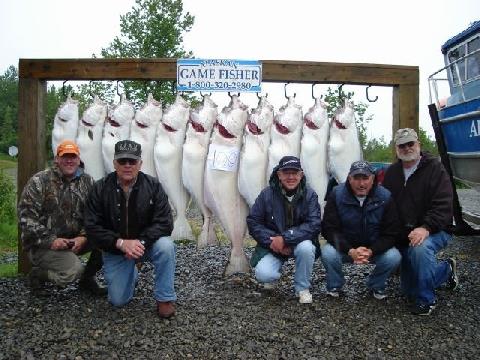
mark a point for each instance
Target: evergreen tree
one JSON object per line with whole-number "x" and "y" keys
{"x": 152, "y": 29}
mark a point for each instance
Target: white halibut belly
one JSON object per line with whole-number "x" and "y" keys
{"x": 251, "y": 173}
{"x": 313, "y": 158}
{"x": 224, "y": 199}
{"x": 343, "y": 150}
{"x": 168, "y": 165}
{"x": 146, "y": 138}
{"x": 91, "y": 150}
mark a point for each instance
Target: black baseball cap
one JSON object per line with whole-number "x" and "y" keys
{"x": 127, "y": 149}
{"x": 361, "y": 167}
{"x": 289, "y": 162}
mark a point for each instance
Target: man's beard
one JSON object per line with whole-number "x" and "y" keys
{"x": 414, "y": 155}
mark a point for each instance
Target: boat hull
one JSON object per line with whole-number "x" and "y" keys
{"x": 460, "y": 126}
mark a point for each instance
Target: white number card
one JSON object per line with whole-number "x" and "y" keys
{"x": 221, "y": 157}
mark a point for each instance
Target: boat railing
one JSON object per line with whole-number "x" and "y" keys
{"x": 462, "y": 81}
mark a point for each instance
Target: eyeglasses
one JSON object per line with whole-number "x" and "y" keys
{"x": 408, "y": 144}
{"x": 125, "y": 161}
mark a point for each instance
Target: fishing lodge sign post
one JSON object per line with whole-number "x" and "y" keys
{"x": 34, "y": 74}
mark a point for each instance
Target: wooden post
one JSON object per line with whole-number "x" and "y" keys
{"x": 31, "y": 129}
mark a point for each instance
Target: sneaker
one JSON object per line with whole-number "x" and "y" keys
{"x": 165, "y": 309}
{"x": 379, "y": 294}
{"x": 305, "y": 297}
{"x": 452, "y": 282}
{"x": 423, "y": 310}
{"x": 335, "y": 292}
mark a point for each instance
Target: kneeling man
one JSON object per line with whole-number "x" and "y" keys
{"x": 285, "y": 221}
{"x": 360, "y": 225}
{"x": 129, "y": 217}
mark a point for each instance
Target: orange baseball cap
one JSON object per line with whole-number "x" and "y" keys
{"x": 67, "y": 147}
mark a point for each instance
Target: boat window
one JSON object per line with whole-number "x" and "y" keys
{"x": 473, "y": 61}
{"x": 455, "y": 54}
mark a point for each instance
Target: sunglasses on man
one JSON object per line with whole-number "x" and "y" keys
{"x": 408, "y": 144}
{"x": 125, "y": 161}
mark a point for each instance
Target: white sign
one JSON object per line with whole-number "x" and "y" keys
{"x": 219, "y": 75}
{"x": 221, "y": 157}
{"x": 12, "y": 151}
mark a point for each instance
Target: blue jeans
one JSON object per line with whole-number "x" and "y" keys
{"x": 385, "y": 264}
{"x": 269, "y": 266}
{"x": 421, "y": 273}
{"x": 121, "y": 273}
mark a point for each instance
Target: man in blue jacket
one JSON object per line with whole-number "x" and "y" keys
{"x": 360, "y": 225}
{"x": 285, "y": 221}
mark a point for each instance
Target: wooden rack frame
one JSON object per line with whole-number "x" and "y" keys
{"x": 34, "y": 74}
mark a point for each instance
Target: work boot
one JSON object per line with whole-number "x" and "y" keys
{"x": 89, "y": 284}
{"x": 87, "y": 281}
{"x": 165, "y": 309}
{"x": 37, "y": 278}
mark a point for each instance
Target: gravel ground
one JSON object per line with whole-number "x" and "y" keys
{"x": 234, "y": 318}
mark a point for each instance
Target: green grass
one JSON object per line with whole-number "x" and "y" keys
{"x": 8, "y": 237}
{"x": 9, "y": 270}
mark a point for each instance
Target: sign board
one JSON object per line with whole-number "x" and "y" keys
{"x": 12, "y": 151}
{"x": 219, "y": 75}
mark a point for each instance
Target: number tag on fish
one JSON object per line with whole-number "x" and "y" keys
{"x": 225, "y": 158}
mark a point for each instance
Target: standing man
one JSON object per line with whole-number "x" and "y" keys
{"x": 360, "y": 225}
{"x": 423, "y": 194}
{"x": 285, "y": 221}
{"x": 50, "y": 213}
{"x": 129, "y": 217}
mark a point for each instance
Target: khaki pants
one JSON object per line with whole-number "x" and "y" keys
{"x": 63, "y": 266}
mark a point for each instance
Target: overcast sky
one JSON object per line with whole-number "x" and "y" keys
{"x": 408, "y": 32}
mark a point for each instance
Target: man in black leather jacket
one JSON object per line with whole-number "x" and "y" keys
{"x": 128, "y": 216}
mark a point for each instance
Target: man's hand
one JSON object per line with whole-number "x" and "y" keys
{"x": 60, "y": 244}
{"x": 417, "y": 236}
{"x": 133, "y": 248}
{"x": 79, "y": 243}
{"x": 360, "y": 255}
{"x": 277, "y": 244}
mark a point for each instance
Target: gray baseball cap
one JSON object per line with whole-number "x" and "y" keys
{"x": 405, "y": 135}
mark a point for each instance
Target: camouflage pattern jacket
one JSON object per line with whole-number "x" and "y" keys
{"x": 52, "y": 207}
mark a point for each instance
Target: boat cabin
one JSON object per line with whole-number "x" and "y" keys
{"x": 462, "y": 59}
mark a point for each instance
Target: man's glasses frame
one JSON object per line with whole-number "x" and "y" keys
{"x": 124, "y": 161}
{"x": 407, "y": 144}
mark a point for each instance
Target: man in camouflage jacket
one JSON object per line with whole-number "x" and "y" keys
{"x": 50, "y": 213}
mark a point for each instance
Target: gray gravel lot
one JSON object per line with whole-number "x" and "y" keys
{"x": 235, "y": 319}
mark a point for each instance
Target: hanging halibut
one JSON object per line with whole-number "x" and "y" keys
{"x": 313, "y": 153}
{"x": 117, "y": 128}
{"x": 195, "y": 151}
{"x": 254, "y": 154}
{"x": 168, "y": 154}
{"x": 285, "y": 135}
{"x": 65, "y": 123}
{"x": 221, "y": 184}
{"x": 343, "y": 143}
{"x": 143, "y": 131}
{"x": 89, "y": 138}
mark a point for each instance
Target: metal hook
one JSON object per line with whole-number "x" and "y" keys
{"x": 285, "y": 90}
{"x": 118, "y": 92}
{"x": 63, "y": 89}
{"x": 229, "y": 94}
{"x": 203, "y": 95}
{"x": 368, "y": 98}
